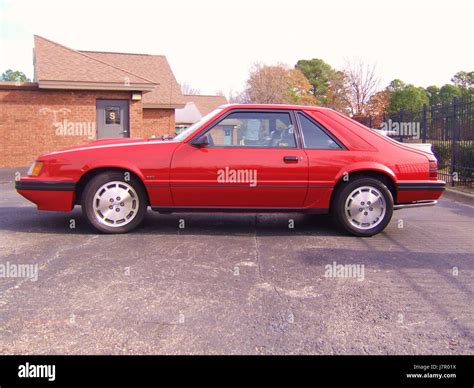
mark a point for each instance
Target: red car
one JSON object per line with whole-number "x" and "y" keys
{"x": 241, "y": 158}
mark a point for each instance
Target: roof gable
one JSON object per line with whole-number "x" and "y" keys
{"x": 57, "y": 64}
{"x": 153, "y": 67}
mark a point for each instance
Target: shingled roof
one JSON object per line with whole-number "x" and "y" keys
{"x": 60, "y": 67}
{"x": 153, "y": 67}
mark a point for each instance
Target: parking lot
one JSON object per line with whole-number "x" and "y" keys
{"x": 236, "y": 284}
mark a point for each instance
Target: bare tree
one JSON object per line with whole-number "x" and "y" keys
{"x": 237, "y": 97}
{"x": 363, "y": 81}
{"x": 338, "y": 95}
{"x": 188, "y": 89}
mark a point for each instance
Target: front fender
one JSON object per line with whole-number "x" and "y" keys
{"x": 113, "y": 163}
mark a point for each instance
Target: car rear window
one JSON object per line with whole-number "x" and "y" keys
{"x": 315, "y": 136}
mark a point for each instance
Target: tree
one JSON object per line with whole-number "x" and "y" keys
{"x": 407, "y": 97}
{"x": 277, "y": 84}
{"x": 396, "y": 85}
{"x": 188, "y": 89}
{"x": 463, "y": 79}
{"x": 465, "y": 82}
{"x": 338, "y": 93}
{"x": 319, "y": 75}
{"x": 14, "y": 76}
{"x": 237, "y": 97}
{"x": 299, "y": 88}
{"x": 377, "y": 105}
{"x": 433, "y": 94}
{"x": 448, "y": 91}
{"x": 362, "y": 81}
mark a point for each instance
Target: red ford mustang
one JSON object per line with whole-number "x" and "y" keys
{"x": 241, "y": 158}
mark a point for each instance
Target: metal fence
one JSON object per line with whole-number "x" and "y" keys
{"x": 448, "y": 127}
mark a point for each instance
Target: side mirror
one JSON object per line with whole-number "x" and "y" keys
{"x": 202, "y": 141}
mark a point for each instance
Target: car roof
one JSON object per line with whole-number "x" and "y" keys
{"x": 273, "y": 106}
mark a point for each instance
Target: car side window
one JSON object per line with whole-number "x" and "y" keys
{"x": 314, "y": 136}
{"x": 253, "y": 129}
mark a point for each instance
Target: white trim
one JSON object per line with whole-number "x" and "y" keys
{"x": 149, "y": 105}
{"x": 112, "y": 145}
{"x": 95, "y": 86}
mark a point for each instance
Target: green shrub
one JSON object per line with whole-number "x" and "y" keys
{"x": 465, "y": 160}
{"x": 442, "y": 152}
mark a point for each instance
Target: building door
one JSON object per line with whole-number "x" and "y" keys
{"x": 112, "y": 119}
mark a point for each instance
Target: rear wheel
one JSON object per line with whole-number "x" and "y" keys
{"x": 363, "y": 207}
{"x": 112, "y": 204}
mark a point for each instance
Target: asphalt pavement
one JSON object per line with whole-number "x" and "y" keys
{"x": 236, "y": 284}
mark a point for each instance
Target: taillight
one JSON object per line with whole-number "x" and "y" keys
{"x": 434, "y": 169}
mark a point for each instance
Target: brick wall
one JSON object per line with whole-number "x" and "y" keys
{"x": 28, "y": 129}
{"x": 158, "y": 122}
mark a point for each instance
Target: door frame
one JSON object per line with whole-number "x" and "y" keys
{"x": 291, "y": 112}
{"x": 126, "y": 116}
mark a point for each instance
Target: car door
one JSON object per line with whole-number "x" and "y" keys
{"x": 252, "y": 160}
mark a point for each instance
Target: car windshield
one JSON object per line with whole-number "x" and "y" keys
{"x": 183, "y": 135}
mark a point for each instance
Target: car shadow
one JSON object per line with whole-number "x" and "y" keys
{"x": 26, "y": 219}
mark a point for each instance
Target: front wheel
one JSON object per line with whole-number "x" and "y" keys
{"x": 113, "y": 204}
{"x": 363, "y": 207}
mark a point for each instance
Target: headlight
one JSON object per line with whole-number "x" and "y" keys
{"x": 35, "y": 168}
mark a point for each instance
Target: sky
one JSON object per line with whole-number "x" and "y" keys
{"x": 211, "y": 45}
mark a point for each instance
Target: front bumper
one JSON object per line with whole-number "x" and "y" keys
{"x": 48, "y": 195}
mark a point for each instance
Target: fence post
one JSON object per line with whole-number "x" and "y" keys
{"x": 454, "y": 139}
{"x": 423, "y": 124}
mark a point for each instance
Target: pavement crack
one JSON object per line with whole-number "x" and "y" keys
{"x": 259, "y": 266}
{"x": 257, "y": 253}
{"x": 41, "y": 266}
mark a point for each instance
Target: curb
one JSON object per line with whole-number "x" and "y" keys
{"x": 459, "y": 196}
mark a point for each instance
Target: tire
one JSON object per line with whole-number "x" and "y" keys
{"x": 363, "y": 207}
{"x": 112, "y": 204}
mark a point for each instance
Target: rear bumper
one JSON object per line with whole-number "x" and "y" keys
{"x": 409, "y": 192}
{"x": 48, "y": 195}
{"x": 421, "y": 185}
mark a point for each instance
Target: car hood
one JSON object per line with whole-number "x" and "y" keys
{"x": 107, "y": 143}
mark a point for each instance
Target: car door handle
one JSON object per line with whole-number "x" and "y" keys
{"x": 290, "y": 159}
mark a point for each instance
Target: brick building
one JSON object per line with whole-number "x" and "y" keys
{"x": 81, "y": 96}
